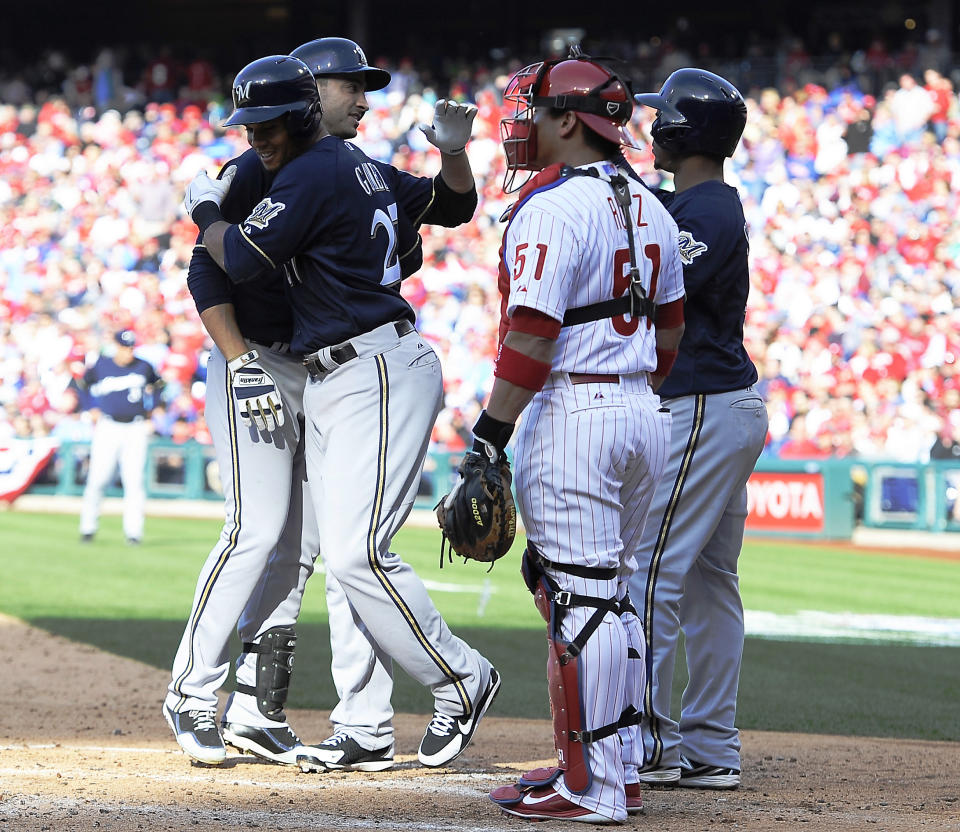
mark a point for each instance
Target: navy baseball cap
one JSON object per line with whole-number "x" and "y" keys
{"x": 125, "y": 337}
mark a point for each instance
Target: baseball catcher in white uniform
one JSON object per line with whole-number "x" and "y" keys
{"x": 592, "y": 307}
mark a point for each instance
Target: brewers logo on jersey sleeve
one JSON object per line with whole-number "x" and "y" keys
{"x": 278, "y": 223}
{"x": 261, "y": 215}
{"x": 690, "y": 248}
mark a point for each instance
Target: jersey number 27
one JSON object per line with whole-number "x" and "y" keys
{"x": 387, "y": 220}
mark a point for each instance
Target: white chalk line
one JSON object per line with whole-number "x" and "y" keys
{"x": 217, "y": 818}
{"x": 462, "y": 786}
{"x": 457, "y": 784}
{"x": 803, "y": 624}
{"x": 840, "y": 626}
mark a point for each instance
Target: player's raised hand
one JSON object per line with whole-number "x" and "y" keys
{"x": 256, "y": 393}
{"x": 451, "y": 128}
{"x": 204, "y": 189}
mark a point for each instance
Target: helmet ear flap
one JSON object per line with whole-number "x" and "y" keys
{"x": 302, "y": 123}
{"x": 672, "y": 137}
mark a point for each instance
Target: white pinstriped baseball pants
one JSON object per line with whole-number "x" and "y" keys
{"x": 588, "y": 459}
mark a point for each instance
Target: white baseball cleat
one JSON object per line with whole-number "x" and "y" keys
{"x": 341, "y": 752}
{"x": 197, "y": 734}
{"x": 696, "y": 775}
{"x": 448, "y": 736}
{"x": 279, "y": 745}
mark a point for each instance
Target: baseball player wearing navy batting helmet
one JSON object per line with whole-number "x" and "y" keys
{"x": 687, "y": 575}
{"x": 358, "y": 276}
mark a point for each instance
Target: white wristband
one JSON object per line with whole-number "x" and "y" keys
{"x": 242, "y": 360}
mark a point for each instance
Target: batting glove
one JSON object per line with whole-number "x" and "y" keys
{"x": 256, "y": 393}
{"x": 451, "y": 128}
{"x": 204, "y": 189}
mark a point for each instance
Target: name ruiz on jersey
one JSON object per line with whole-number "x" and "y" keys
{"x": 265, "y": 211}
{"x": 689, "y": 247}
{"x": 369, "y": 178}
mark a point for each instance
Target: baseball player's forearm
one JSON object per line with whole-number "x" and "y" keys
{"x": 206, "y": 281}
{"x": 508, "y": 398}
{"x": 507, "y": 401}
{"x": 448, "y": 207}
{"x": 456, "y": 172}
{"x": 668, "y": 342}
{"x": 213, "y": 243}
{"x": 669, "y": 338}
{"x": 221, "y": 324}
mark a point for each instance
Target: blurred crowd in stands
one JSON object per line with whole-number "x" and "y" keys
{"x": 849, "y": 169}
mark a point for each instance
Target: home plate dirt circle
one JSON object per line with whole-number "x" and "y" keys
{"x": 83, "y": 746}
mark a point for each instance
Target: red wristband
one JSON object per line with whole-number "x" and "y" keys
{"x": 665, "y": 359}
{"x": 520, "y": 369}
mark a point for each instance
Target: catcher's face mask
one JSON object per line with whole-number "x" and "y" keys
{"x": 518, "y": 133}
{"x": 597, "y": 95}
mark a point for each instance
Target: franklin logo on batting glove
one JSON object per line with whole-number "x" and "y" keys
{"x": 255, "y": 392}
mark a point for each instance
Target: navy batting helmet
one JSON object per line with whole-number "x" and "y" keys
{"x": 697, "y": 113}
{"x": 272, "y": 86}
{"x": 340, "y": 56}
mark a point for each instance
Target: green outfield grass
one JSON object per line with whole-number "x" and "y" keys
{"x": 133, "y": 601}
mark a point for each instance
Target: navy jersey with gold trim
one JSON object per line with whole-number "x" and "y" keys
{"x": 262, "y": 309}
{"x": 713, "y": 248}
{"x": 330, "y": 220}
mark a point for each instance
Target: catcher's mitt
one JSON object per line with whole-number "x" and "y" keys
{"x": 478, "y": 517}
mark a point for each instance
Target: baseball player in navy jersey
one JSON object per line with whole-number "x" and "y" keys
{"x": 253, "y": 323}
{"x": 331, "y": 220}
{"x": 589, "y": 260}
{"x": 687, "y": 576}
{"x": 256, "y": 318}
{"x": 123, "y": 390}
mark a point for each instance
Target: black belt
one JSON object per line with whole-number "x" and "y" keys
{"x": 125, "y": 420}
{"x": 276, "y": 346}
{"x": 347, "y": 352}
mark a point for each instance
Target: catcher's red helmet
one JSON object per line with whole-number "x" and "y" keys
{"x": 595, "y": 93}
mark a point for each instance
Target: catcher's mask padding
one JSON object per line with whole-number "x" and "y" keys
{"x": 274, "y": 668}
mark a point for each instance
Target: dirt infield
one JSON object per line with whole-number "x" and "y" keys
{"x": 83, "y": 747}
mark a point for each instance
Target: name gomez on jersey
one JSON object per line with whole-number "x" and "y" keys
{"x": 330, "y": 219}
{"x": 567, "y": 247}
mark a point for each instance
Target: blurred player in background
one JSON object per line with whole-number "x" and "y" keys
{"x": 122, "y": 390}
{"x": 687, "y": 576}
